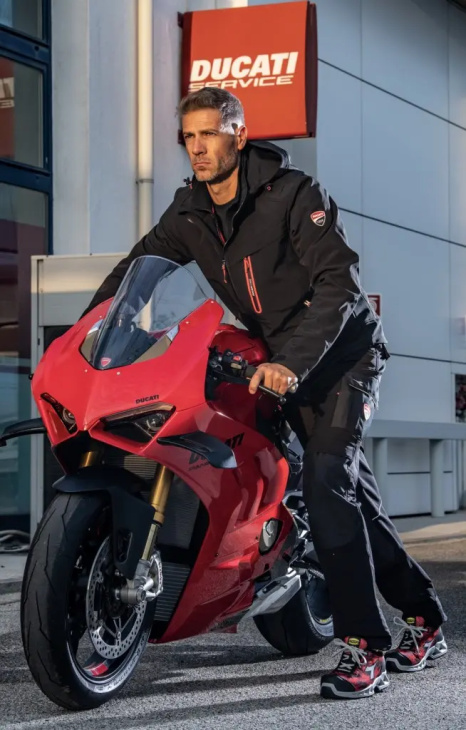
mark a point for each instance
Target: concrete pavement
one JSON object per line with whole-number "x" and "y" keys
{"x": 228, "y": 682}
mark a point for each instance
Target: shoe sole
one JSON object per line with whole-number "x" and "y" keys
{"x": 435, "y": 652}
{"x": 329, "y": 692}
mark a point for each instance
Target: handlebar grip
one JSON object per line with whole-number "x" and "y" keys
{"x": 250, "y": 371}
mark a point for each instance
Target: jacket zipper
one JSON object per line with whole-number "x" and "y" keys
{"x": 251, "y": 285}
{"x": 223, "y": 242}
{"x": 224, "y": 263}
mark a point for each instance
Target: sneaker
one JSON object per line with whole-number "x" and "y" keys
{"x": 418, "y": 644}
{"x": 360, "y": 672}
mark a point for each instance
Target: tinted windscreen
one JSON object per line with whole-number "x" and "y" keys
{"x": 153, "y": 298}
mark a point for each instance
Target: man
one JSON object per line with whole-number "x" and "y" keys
{"x": 271, "y": 243}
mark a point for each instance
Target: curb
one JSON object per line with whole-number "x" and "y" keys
{"x": 431, "y": 540}
{"x": 10, "y": 586}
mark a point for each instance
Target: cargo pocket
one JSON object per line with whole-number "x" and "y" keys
{"x": 357, "y": 401}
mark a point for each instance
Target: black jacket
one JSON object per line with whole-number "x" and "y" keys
{"x": 286, "y": 271}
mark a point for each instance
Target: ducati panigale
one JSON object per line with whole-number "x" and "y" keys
{"x": 180, "y": 507}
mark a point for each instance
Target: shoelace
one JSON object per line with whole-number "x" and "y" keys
{"x": 409, "y": 632}
{"x": 357, "y": 656}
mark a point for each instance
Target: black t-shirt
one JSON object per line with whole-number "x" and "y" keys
{"x": 225, "y": 215}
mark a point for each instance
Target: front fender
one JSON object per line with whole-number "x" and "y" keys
{"x": 131, "y": 516}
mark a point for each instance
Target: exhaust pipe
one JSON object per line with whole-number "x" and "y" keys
{"x": 275, "y": 595}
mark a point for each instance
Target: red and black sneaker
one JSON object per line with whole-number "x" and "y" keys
{"x": 360, "y": 672}
{"x": 418, "y": 644}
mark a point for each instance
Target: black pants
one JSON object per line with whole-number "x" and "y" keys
{"x": 357, "y": 544}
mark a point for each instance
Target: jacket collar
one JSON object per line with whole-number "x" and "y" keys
{"x": 260, "y": 163}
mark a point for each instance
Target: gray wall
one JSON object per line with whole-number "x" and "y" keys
{"x": 390, "y": 147}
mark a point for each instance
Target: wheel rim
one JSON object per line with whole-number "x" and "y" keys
{"x": 318, "y": 603}
{"x": 95, "y": 617}
{"x": 112, "y": 628}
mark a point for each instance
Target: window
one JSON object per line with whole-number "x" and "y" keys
{"x": 460, "y": 398}
{"x": 25, "y": 215}
{"x": 25, "y": 16}
{"x": 21, "y": 117}
{"x": 23, "y": 232}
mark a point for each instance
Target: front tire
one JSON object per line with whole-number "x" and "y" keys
{"x": 75, "y": 665}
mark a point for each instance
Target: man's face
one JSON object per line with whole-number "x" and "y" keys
{"x": 213, "y": 153}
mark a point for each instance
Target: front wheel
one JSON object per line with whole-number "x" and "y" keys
{"x": 81, "y": 643}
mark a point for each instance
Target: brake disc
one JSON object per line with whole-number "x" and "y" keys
{"x": 111, "y": 636}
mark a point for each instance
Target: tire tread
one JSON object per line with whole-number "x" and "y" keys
{"x": 44, "y": 602}
{"x": 291, "y": 630}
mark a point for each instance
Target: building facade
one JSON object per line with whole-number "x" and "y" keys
{"x": 390, "y": 148}
{"x": 26, "y": 221}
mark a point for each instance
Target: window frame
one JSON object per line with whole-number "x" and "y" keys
{"x": 36, "y": 53}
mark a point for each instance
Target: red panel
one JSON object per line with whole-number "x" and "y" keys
{"x": 376, "y": 301}
{"x": 266, "y": 55}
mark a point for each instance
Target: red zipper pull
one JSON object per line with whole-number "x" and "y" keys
{"x": 224, "y": 269}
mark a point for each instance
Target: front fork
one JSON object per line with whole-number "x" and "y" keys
{"x": 147, "y": 583}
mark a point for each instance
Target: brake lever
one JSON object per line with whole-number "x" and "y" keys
{"x": 244, "y": 372}
{"x": 250, "y": 370}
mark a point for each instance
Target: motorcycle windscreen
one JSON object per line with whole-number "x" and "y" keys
{"x": 142, "y": 322}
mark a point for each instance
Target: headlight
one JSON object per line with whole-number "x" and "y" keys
{"x": 139, "y": 424}
{"x": 67, "y": 418}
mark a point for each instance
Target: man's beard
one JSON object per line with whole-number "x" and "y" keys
{"x": 225, "y": 167}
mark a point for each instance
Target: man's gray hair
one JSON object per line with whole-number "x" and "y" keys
{"x": 230, "y": 108}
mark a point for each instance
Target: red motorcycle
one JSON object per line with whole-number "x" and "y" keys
{"x": 180, "y": 510}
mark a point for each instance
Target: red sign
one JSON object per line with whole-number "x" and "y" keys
{"x": 376, "y": 301}
{"x": 264, "y": 54}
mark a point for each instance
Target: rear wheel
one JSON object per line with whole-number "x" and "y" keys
{"x": 81, "y": 643}
{"x": 304, "y": 625}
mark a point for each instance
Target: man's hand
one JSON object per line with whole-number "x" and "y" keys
{"x": 274, "y": 376}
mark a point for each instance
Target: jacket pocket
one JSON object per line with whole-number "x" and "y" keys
{"x": 368, "y": 385}
{"x": 357, "y": 401}
{"x": 251, "y": 285}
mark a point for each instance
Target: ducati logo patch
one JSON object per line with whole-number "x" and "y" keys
{"x": 367, "y": 411}
{"x": 104, "y": 361}
{"x": 318, "y": 217}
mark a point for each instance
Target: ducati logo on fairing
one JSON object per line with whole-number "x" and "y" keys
{"x": 104, "y": 361}
{"x": 147, "y": 398}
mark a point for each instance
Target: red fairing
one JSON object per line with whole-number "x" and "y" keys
{"x": 238, "y": 501}
{"x": 177, "y": 377}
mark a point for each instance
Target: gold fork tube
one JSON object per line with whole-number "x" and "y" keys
{"x": 89, "y": 458}
{"x": 158, "y": 499}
